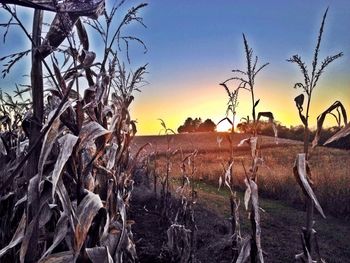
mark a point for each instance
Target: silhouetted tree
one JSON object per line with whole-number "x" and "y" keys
{"x": 189, "y": 125}
{"x": 207, "y": 126}
{"x": 197, "y": 122}
{"x": 293, "y": 132}
{"x": 196, "y": 125}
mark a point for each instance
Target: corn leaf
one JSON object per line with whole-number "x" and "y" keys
{"x": 99, "y": 255}
{"x": 90, "y": 132}
{"x": 60, "y": 233}
{"x": 60, "y": 80}
{"x": 66, "y": 203}
{"x": 86, "y": 212}
{"x": 247, "y": 194}
{"x": 60, "y": 27}
{"x": 304, "y": 256}
{"x": 62, "y": 257}
{"x": 228, "y": 176}
{"x": 255, "y": 204}
{"x": 343, "y": 133}
{"x": 300, "y": 173}
{"x": 65, "y": 106}
{"x": 247, "y": 140}
{"x": 49, "y": 140}
{"x": 220, "y": 183}
{"x": 89, "y": 57}
{"x": 17, "y": 237}
{"x": 253, "y": 144}
{"x": 67, "y": 143}
{"x": 322, "y": 116}
{"x": 41, "y": 219}
{"x": 245, "y": 251}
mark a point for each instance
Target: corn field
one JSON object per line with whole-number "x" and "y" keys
{"x": 78, "y": 184}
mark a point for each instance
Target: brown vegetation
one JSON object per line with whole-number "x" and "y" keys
{"x": 276, "y": 180}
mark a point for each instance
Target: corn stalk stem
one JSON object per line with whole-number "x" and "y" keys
{"x": 233, "y": 203}
{"x": 253, "y": 103}
{"x": 155, "y": 176}
{"x": 36, "y": 125}
{"x": 307, "y": 131}
{"x": 309, "y": 202}
{"x": 254, "y": 249}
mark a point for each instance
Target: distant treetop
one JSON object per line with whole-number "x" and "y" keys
{"x": 196, "y": 125}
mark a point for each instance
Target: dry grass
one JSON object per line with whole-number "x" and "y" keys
{"x": 202, "y": 141}
{"x": 276, "y": 179}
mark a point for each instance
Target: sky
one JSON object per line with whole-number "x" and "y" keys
{"x": 194, "y": 45}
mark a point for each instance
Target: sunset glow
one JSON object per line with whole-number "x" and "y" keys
{"x": 192, "y": 47}
{"x": 190, "y": 56}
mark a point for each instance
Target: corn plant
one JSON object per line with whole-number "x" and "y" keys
{"x": 152, "y": 165}
{"x": 301, "y": 168}
{"x": 189, "y": 199}
{"x": 249, "y": 247}
{"x": 165, "y": 194}
{"x": 182, "y": 232}
{"x": 71, "y": 198}
{"x": 236, "y": 237}
{"x": 229, "y": 172}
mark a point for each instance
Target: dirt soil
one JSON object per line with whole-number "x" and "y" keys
{"x": 281, "y": 225}
{"x": 213, "y": 243}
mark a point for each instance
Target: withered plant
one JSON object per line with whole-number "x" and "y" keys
{"x": 165, "y": 192}
{"x": 152, "y": 166}
{"x": 65, "y": 196}
{"x": 248, "y": 247}
{"x": 181, "y": 234}
{"x": 302, "y": 171}
{"x": 229, "y": 172}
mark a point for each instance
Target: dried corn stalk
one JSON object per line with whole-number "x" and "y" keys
{"x": 302, "y": 174}
{"x": 301, "y": 169}
{"x": 342, "y": 134}
{"x": 76, "y": 204}
{"x": 320, "y": 119}
{"x": 246, "y": 81}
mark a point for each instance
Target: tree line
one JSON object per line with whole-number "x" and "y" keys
{"x": 191, "y": 125}
{"x": 295, "y": 132}
{"x": 197, "y": 125}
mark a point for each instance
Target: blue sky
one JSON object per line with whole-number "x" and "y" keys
{"x": 194, "y": 45}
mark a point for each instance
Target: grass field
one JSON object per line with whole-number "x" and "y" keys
{"x": 331, "y": 176}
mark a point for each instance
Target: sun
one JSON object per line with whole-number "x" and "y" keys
{"x": 223, "y": 126}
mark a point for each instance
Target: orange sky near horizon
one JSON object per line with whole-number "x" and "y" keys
{"x": 174, "y": 103}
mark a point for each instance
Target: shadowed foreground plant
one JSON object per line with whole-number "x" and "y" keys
{"x": 181, "y": 234}
{"x": 165, "y": 194}
{"x": 301, "y": 168}
{"x": 73, "y": 206}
